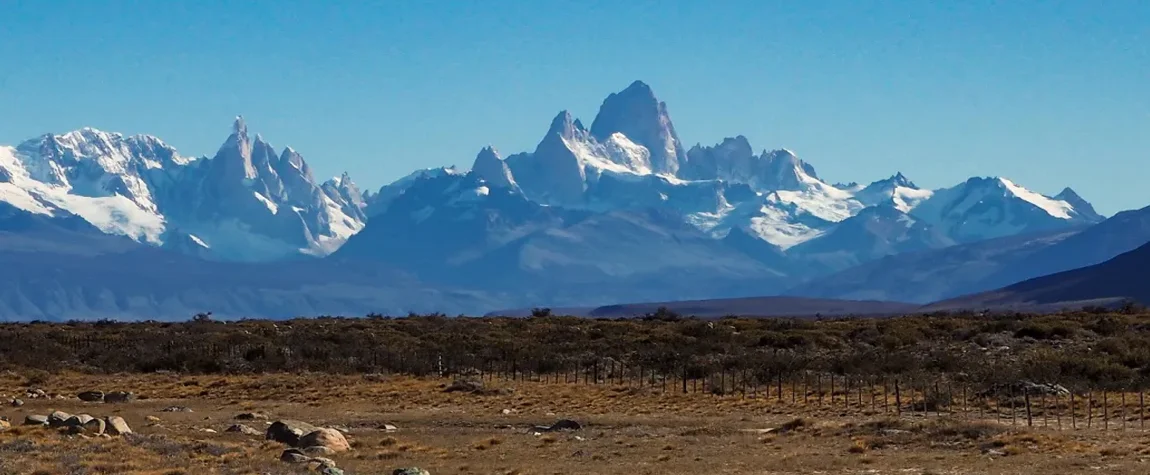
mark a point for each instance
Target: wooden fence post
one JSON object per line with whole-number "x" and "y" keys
{"x": 1013, "y": 413}
{"x": 780, "y": 386}
{"x": 1123, "y": 409}
{"x": 1105, "y": 411}
{"x": 832, "y": 389}
{"x": 1073, "y": 413}
{"x": 885, "y": 396}
{"x": 1141, "y": 410}
{"x": 1090, "y": 409}
{"x": 897, "y": 398}
{"x": 684, "y": 378}
{"x": 1058, "y": 410}
{"x": 1029, "y": 416}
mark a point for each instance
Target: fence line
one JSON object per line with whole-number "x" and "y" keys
{"x": 774, "y": 380}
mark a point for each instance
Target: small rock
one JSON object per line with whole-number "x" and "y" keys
{"x": 323, "y": 461}
{"x": 116, "y": 397}
{"x": 243, "y": 429}
{"x": 328, "y": 438}
{"x": 288, "y": 431}
{"x": 5, "y": 425}
{"x": 560, "y": 425}
{"x": 318, "y": 450}
{"x": 330, "y": 470}
{"x": 94, "y": 427}
{"x": 16, "y": 402}
{"x": 251, "y": 416}
{"x": 77, "y": 420}
{"x": 565, "y": 424}
{"x": 388, "y": 428}
{"x": 506, "y": 412}
{"x": 410, "y": 471}
{"x": 209, "y": 431}
{"x": 116, "y": 425}
{"x": 35, "y": 420}
{"x": 91, "y": 396}
{"x": 57, "y": 418}
{"x": 152, "y": 419}
{"x": 465, "y": 385}
{"x": 294, "y": 456}
{"x": 37, "y": 393}
{"x": 176, "y": 409}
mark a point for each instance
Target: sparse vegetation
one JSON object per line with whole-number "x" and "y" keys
{"x": 1088, "y": 349}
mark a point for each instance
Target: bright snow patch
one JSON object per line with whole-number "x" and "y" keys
{"x": 1056, "y": 208}
{"x": 271, "y": 206}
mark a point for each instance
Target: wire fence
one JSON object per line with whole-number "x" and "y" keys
{"x": 781, "y": 379}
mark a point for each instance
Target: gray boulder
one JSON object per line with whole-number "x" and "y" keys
{"x": 77, "y": 420}
{"x": 95, "y": 427}
{"x": 35, "y": 420}
{"x": 329, "y": 439}
{"x": 116, "y": 425}
{"x": 560, "y": 425}
{"x": 288, "y": 431}
{"x": 410, "y": 471}
{"x": 294, "y": 456}
{"x": 118, "y": 397}
{"x": 57, "y": 418}
{"x": 91, "y": 396}
{"x": 17, "y": 402}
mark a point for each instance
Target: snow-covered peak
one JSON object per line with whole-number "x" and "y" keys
{"x": 638, "y": 115}
{"x": 897, "y": 191}
{"x": 785, "y": 171}
{"x": 1056, "y": 208}
{"x": 491, "y": 168}
{"x": 378, "y": 202}
{"x": 988, "y": 207}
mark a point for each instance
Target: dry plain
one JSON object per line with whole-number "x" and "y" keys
{"x": 625, "y": 430}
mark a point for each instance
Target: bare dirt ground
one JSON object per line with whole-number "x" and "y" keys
{"x": 626, "y": 430}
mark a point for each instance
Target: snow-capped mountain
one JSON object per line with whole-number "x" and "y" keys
{"x": 459, "y": 229}
{"x": 248, "y": 203}
{"x": 642, "y": 119}
{"x": 619, "y": 211}
{"x": 984, "y": 208}
{"x": 631, "y": 158}
{"x": 875, "y": 232}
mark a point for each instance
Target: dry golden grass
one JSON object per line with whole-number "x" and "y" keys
{"x": 632, "y": 431}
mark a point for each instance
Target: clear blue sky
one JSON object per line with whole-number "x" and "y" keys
{"x": 1050, "y": 93}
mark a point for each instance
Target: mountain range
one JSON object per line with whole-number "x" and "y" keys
{"x": 620, "y": 211}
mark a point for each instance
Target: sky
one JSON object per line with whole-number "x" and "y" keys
{"x": 1049, "y": 93}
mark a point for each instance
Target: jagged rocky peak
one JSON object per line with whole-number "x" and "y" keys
{"x": 239, "y": 127}
{"x": 292, "y": 159}
{"x": 566, "y": 126}
{"x": 637, "y": 114}
{"x": 1083, "y": 207}
{"x": 898, "y": 179}
{"x": 490, "y": 167}
{"x": 236, "y": 153}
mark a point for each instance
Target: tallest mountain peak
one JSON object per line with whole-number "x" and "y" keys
{"x": 638, "y": 88}
{"x": 637, "y": 114}
{"x": 239, "y": 127}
